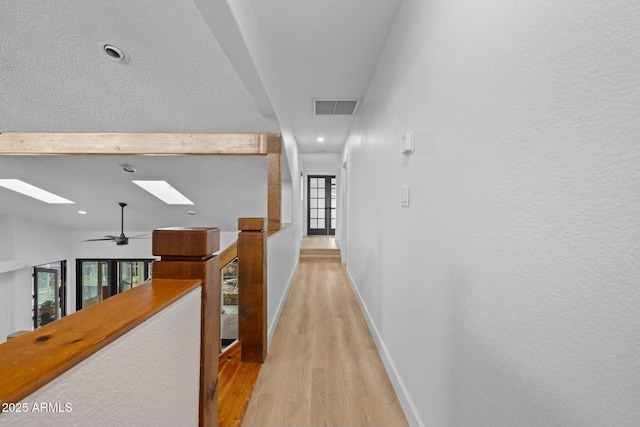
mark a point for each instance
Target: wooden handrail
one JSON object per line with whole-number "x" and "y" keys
{"x": 32, "y": 360}
{"x": 228, "y": 254}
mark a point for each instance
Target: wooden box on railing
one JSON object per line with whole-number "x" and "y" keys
{"x": 185, "y": 242}
{"x": 16, "y": 334}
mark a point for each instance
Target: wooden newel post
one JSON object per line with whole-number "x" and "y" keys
{"x": 252, "y": 288}
{"x": 274, "y": 184}
{"x": 187, "y": 253}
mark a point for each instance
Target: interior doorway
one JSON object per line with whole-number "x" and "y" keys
{"x": 321, "y": 205}
{"x": 49, "y": 292}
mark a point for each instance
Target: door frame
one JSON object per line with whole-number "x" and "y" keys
{"x": 328, "y": 230}
{"x": 60, "y": 293}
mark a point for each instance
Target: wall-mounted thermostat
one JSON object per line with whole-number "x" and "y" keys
{"x": 408, "y": 143}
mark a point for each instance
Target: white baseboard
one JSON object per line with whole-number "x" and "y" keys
{"x": 285, "y": 294}
{"x": 406, "y": 402}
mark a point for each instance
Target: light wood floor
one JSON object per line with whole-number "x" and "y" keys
{"x": 323, "y": 368}
{"x": 318, "y": 242}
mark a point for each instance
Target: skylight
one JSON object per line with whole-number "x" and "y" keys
{"x": 164, "y": 191}
{"x": 33, "y": 191}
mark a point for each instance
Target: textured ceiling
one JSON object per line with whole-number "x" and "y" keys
{"x": 56, "y": 78}
{"x": 193, "y": 66}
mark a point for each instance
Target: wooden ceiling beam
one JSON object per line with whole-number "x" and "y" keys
{"x": 236, "y": 144}
{"x": 233, "y": 144}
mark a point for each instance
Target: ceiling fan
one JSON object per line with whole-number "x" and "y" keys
{"x": 121, "y": 239}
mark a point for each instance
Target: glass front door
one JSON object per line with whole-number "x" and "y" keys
{"x": 321, "y": 202}
{"x": 95, "y": 282}
{"x": 130, "y": 274}
{"x": 49, "y": 284}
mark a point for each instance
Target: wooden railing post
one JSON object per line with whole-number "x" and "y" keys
{"x": 252, "y": 288}
{"x": 274, "y": 182}
{"x": 187, "y": 253}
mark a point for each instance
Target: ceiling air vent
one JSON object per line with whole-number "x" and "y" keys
{"x": 335, "y": 107}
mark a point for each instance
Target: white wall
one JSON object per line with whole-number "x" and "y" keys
{"x": 7, "y": 279}
{"x": 294, "y": 169}
{"x": 282, "y": 262}
{"x": 319, "y": 164}
{"x": 32, "y": 243}
{"x": 507, "y": 294}
{"x": 149, "y": 376}
{"x": 286, "y": 208}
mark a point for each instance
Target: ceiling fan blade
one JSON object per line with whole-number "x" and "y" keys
{"x": 121, "y": 239}
{"x": 140, "y": 236}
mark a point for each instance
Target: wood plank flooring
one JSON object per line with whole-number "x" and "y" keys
{"x": 235, "y": 384}
{"x": 319, "y": 242}
{"x": 236, "y": 380}
{"x": 323, "y": 368}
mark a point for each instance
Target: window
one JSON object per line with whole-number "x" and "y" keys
{"x": 99, "y": 279}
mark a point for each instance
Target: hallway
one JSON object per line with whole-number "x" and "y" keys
{"x": 323, "y": 367}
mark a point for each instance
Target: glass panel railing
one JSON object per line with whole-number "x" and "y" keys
{"x": 229, "y": 309}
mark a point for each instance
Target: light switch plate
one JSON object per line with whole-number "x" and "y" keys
{"x": 408, "y": 143}
{"x": 405, "y": 196}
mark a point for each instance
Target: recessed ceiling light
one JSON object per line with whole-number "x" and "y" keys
{"x": 115, "y": 53}
{"x": 128, "y": 168}
{"x": 320, "y": 139}
{"x": 191, "y": 212}
{"x": 32, "y": 191}
{"x": 82, "y": 212}
{"x": 164, "y": 191}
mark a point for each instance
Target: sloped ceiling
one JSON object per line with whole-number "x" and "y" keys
{"x": 97, "y": 183}
{"x": 193, "y": 66}
{"x": 326, "y": 50}
{"x": 55, "y": 76}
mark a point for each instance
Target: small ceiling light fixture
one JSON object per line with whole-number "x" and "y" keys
{"x": 82, "y": 212}
{"x": 320, "y": 139}
{"x": 191, "y": 212}
{"x": 115, "y": 54}
{"x": 128, "y": 168}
